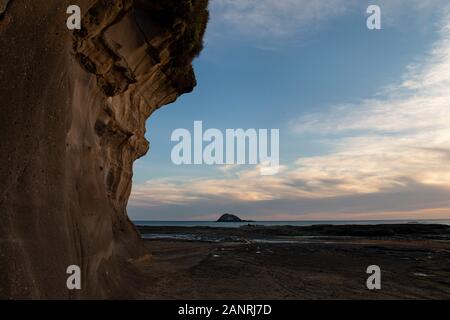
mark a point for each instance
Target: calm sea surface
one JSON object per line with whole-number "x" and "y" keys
{"x": 278, "y": 223}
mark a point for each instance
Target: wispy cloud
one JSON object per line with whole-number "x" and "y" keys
{"x": 380, "y": 150}
{"x": 234, "y": 185}
{"x": 289, "y": 18}
{"x": 379, "y": 143}
{"x": 274, "y": 17}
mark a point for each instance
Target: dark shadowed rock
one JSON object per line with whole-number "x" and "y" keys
{"x": 227, "y": 217}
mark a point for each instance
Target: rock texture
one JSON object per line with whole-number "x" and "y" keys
{"x": 73, "y": 112}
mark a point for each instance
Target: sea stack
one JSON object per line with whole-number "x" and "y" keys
{"x": 227, "y": 217}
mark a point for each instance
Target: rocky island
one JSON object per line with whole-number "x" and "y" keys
{"x": 227, "y": 217}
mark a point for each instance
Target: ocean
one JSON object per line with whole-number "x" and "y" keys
{"x": 214, "y": 224}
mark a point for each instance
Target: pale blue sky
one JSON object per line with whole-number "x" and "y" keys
{"x": 311, "y": 70}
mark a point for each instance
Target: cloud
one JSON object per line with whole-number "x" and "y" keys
{"x": 413, "y": 202}
{"x": 236, "y": 185}
{"x": 379, "y": 142}
{"x": 389, "y": 154}
{"x": 289, "y": 18}
{"x": 276, "y": 17}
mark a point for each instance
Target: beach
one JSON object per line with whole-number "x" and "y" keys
{"x": 283, "y": 262}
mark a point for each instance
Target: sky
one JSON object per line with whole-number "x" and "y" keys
{"x": 364, "y": 115}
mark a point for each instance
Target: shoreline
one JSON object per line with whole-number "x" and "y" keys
{"x": 251, "y": 232}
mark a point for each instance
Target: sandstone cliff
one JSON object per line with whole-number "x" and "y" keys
{"x": 73, "y": 111}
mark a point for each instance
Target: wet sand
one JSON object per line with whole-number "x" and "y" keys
{"x": 321, "y": 262}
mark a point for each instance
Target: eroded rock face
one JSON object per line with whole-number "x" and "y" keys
{"x": 73, "y": 112}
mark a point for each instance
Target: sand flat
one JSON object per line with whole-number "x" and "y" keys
{"x": 334, "y": 267}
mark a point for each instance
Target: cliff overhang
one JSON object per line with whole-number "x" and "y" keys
{"x": 74, "y": 107}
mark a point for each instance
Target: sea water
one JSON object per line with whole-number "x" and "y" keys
{"x": 214, "y": 224}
